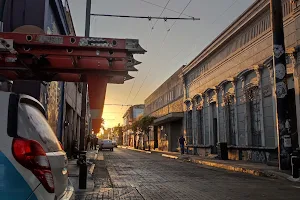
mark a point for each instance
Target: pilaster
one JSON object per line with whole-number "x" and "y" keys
{"x": 209, "y": 113}
{"x": 234, "y": 85}
{"x": 274, "y": 100}
{"x": 217, "y": 110}
{"x": 258, "y": 71}
{"x": 295, "y": 58}
{"x": 203, "y": 119}
{"x": 194, "y": 122}
{"x": 246, "y": 111}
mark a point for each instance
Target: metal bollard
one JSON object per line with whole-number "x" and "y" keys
{"x": 295, "y": 162}
{"x": 82, "y": 170}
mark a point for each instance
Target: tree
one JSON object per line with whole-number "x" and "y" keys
{"x": 117, "y": 131}
{"x": 144, "y": 123}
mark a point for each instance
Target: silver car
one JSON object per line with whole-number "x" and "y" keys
{"x": 33, "y": 163}
{"x": 106, "y": 144}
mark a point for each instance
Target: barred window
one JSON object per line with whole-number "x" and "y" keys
{"x": 252, "y": 95}
{"x": 230, "y": 118}
{"x": 200, "y": 126}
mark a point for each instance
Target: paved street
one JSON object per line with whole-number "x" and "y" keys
{"x": 126, "y": 174}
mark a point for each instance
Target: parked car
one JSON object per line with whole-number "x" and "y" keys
{"x": 106, "y": 144}
{"x": 115, "y": 143}
{"x": 33, "y": 163}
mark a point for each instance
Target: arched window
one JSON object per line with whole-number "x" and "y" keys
{"x": 253, "y": 99}
{"x": 230, "y": 118}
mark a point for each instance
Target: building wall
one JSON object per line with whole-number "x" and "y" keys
{"x": 227, "y": 73}
{"x": 131, "y": 115}
{"x": 165, "y": 98}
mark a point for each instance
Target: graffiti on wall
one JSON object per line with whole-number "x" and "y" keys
{"x": 53, "y": 89}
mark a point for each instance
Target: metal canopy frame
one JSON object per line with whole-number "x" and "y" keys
{"x": 97, "y": 61}
{"x": 66, "y": 58}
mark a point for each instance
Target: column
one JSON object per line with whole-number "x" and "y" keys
{"x": 217, "y": 110}
{"x": 261, "y": 107}
{"x": 271, "y": 71}
{"x": 295, "y": 57}
{"x": 222, "y": 88}
{"x": 234, "y": 83}
{"x": 245, "y": 111}
{"x": 203, "y": 118}
{"x": 209, "y": 113}
{"x": 194, "y": 121}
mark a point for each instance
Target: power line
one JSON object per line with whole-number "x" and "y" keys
{"x": 147, "y": 17}
{"x": 159, "y": 50}
{"x": 230, "y": 6}
{"x": 161, "y": 13}
{"x": 168, "y": 31}
{"x": 182, "y": 13}
{"x": 130, "y": 90}
{"x": 147, "y": 45}
{"x": 163, "y": 7}
{"x": 225, "y": 11}
{"x": 112, "y": 104}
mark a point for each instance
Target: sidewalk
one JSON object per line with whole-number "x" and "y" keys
{"x": 256, "y": 169}
{"x": 73, "y": 170}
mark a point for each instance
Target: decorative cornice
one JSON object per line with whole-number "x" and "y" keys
{"x": 244, "y": 73}
{"x": 229, "y": 80}
{"x": 209, "y": 90}
{"x": 187, "y": 101}
{"x": 260, "y": 39}
{"x": 254, "y": 10}
{"x": 196, "y": 96}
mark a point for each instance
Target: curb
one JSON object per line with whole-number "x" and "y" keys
{"x": 138, "y": 150}
{"x": 254, "y": 172}
{"x": 233, "y": 168}
{"x": 169, "y": 156}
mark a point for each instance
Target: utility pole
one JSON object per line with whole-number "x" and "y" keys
{"x": 280, "y": 81}
{"x": 84, "y": 84}
{"x": 83, "y": 165}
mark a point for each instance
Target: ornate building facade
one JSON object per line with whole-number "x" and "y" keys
{"x": 165, "y": 103}
{"x": 229, "y": 93}
{"x": 132, "y": 114}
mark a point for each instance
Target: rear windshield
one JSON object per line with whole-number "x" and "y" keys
{"x": 33, "y": 125}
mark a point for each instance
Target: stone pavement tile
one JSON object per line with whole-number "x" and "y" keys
{"x": 257, "y": 169}
{"x": 141, "y": 176}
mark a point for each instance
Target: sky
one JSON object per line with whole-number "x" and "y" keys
{"x": 167, "y": 50}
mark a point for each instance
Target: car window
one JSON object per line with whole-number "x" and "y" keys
{"x": 41, "y": 126}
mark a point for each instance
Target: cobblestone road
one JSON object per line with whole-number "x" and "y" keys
{"x": 126, "y": 174}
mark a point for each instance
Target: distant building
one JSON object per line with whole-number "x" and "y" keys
{"x": 131, "y": 115}
{"x": 165, "y": 103}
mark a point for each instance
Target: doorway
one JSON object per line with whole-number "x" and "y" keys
{"x": 214, "y": 128}
{"x": 155, "y": 137}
